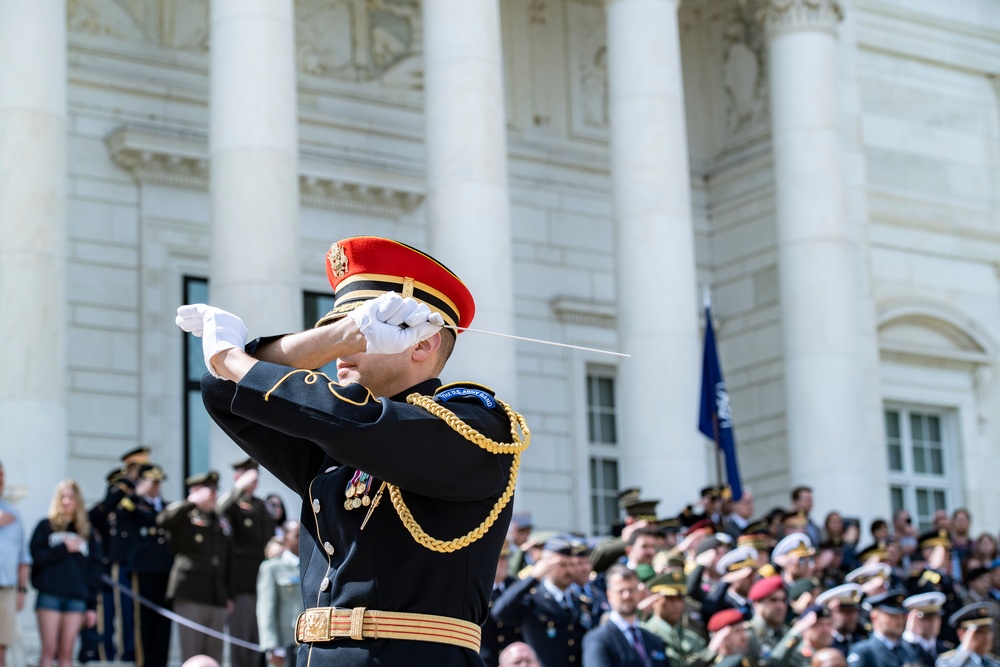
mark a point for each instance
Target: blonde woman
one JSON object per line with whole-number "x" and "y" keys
{"x": 65, "y": 573}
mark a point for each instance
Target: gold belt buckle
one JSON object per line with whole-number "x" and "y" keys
{"x": 316, "y": 625}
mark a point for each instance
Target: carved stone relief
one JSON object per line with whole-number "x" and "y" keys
{"x": 124, "y": 19}
{"x": 781, "y": 14}
{"x": 588, "y": 69}
{"x": 361, "y": 40}
{"x": 744, "y": 72}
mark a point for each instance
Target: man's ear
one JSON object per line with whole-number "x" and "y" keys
{"x": 427, "y": 348}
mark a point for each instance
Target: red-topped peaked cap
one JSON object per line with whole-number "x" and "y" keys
{"x": 365, "y": 267}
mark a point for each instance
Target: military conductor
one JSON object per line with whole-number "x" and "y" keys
{"x": 402, "y": 479}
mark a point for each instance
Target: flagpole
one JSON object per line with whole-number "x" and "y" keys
{"x": 707, "y": 301}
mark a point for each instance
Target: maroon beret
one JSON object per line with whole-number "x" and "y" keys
{"x": 721, "y": 619}
{"x": 764, "y": 587}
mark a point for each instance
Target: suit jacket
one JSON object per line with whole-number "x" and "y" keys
{"x": 607, "y": 646}
{"x": 279, "y": 601}
{"x": 873, "y": 653}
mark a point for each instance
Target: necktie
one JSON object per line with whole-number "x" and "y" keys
{"x": 640, "y": 648}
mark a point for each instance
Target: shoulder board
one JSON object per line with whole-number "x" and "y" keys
{"x": 930, "y": 576}
{"x": 946, "y": 654}
{"x": 690, "y": 566}
{"x": 524, "y": 572}
{"x": 466, "y": 391}
{"x": 127, "y": 504}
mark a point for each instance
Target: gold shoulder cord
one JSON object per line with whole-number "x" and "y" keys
{"x": 521, "y": 436}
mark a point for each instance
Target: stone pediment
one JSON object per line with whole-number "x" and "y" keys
{"x": 324, "y": 182}
{"x": 922, "y": 333}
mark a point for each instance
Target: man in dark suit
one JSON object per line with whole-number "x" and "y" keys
{"x": 885, "y": 647}
{"x": 621, "y": 642}
{"x": 552, "y": 620}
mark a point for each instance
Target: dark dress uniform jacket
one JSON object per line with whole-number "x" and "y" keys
{"x": 873, "y": 653}
{"x": 313, "y": 435}
{"x": 252, "y": 528}
{"x": 201, "y": 543}
{"x": 607, "y": 646}
{"x": 556, "y": 633}
{"x": 148, "y": 551}
{"x": 496, "y": 634}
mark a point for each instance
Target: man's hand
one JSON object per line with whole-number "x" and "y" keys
{"x": 246, "y": 480}
{"x": 201, "y": 497}
{"x": 6, "y": 518}
{"x": 391, "y": 324}
{"x": 718, "y": 643}
{"x": 90, "y": 618}
{"x": 218, "y": 329}
{"x": 804, "y": 624}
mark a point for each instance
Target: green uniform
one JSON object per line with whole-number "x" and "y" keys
{"x": 685, "y": 647}
{"x": 763, "y": 638}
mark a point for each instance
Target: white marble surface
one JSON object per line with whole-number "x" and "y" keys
{"x": 468, "y": 205}
{"x": 656, "y": 293}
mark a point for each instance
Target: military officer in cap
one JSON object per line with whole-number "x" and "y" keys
{"x": 552, "y": 620}
{"x": 812, "y": 632}
{"x": 844, "y": 602}
{"x": 974, "y": 626}
{"x": 770, "y": 609}
{"x": 252, "y": 527}
{"x": 923, "y": 627}
{"x": 885, "y": 647}
{"x": 728, "y": 640}
{"x": 98, "y": 643}
{"x": 496, "y": 634}
{"x": 201, "y": 541}
{"x": 402, "y": 478}
{"x": 935, "y": 550}
{"x": 666, "y": 604}
{"x": 149, "y": 561}
{"x": 737, "y": 570}
{"x": 793, "y": 555}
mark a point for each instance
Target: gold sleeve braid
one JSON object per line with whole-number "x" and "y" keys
{"x": 521, "y": 438}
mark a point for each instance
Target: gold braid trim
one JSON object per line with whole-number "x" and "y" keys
{"x": 521, "y": 439}
{"x": 311, "y": 378}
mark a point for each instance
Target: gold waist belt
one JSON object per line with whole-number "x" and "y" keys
{"x": 323, "y": 624}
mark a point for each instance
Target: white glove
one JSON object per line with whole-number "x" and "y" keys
{"x": 391, "y": 324}
{"x": 218, "y": 329}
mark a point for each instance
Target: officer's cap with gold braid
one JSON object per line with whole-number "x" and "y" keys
{"x": 935, "y": 538}
{"x": 365, "y": 267}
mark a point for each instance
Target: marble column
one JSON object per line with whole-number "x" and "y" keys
{"x": 255, "y": 264}
{"x": 468, "y": 207}
{"x": 33, "y": 249}
{"x": 657, "y": 292}
{"x": 824, "y": 375}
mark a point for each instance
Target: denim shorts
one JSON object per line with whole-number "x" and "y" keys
{"x": 60, "y": 603}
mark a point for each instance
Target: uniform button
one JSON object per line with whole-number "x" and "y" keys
{"x": 199, "y": 538}
{"x": 325, "y": 584}
{"x": 499, "y": 638}
{"x": 316, "y": 505}
{"x": 124, "y": 533}
{"x": 570, "y": 627}
{"x": 328, "y": 547}
{"x": 570, "y": 642}
{"x": 572, "y": 658}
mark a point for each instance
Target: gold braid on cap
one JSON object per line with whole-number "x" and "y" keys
{"x": 521, "y": 436}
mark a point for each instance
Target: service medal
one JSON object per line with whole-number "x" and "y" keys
{"x": 348, "y": 504}
{"x": 366, "y": 501}
{"x": 356, "y": 503}
{"x": 350, "y": 491}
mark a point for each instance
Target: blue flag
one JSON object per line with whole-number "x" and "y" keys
{"x": 716, "y": 418}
